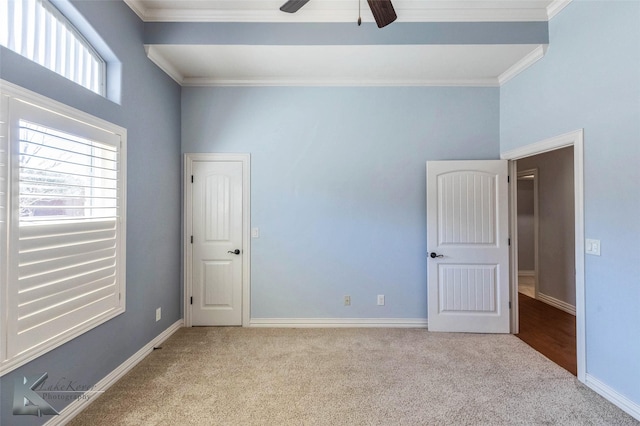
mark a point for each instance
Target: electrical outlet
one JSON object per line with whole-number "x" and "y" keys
{"x": 381, "y": 300}
{"x": 592, "y": 247}
{"x": 347, "y": 301}
{"x": 158, "y": 314}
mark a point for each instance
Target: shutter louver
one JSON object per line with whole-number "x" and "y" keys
{"x": 68, "y": 208}
{"x": 4, "y": 186}
{"x": 63, "y": 177}
{"x": 38, "y": 31}
{"x": 65, "y": 278}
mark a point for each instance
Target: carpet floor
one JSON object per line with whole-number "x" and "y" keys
{"x": 257, "y": 376}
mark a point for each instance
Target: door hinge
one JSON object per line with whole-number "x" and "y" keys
{"x": 191, "y": 178}
{"x": 192, "y": 300}
{"x": 119, "y": 296}
{"x": 508, "y": 179}
{"x": 509, "y": 240}
{"x": 192, "y": 239}
{"x": 509, "y": 304}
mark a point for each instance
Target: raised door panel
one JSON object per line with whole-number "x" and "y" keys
{"x": 217, "y": 208}
{"x": 466, "y": 213}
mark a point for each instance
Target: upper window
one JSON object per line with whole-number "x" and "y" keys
{"x": 37, "y": 30}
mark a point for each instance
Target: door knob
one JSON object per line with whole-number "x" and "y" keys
{"x": 434, "y": 255}
{"x": 236, "y": 251}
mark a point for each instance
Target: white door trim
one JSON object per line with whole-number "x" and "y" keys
{"x": 189, "y": 159}
{"x": 536, "y": 228}
{"x": 575, "y": 139}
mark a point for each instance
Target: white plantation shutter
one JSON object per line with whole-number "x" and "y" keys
{"x": 4, "y": 186}
{"x": 65, "y": 227}
{"x": 67, "y": 276}
{"x": 37, "y": 30}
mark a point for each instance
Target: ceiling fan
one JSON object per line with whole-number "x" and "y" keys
{"x": 382, "y": 10}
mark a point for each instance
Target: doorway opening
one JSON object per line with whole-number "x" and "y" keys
{"x": 546, "y": 258}
{"x": 556, "y": 312}
{"x": 527, "y": 229}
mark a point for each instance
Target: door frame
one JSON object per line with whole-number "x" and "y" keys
{"x": 575, "y": 139}
{"x": 536, "y": 228}
{"x": 187, "y": 212}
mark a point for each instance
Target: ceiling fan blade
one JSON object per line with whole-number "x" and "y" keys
{"x": 383, "y": 12}
{"x": 292, "y": 6}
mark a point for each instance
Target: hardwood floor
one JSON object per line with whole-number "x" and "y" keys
{"x": 548, "y": 330}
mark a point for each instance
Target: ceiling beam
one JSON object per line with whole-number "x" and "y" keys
{"x": 335, "y": 34}
{"x": 344, "y": 11}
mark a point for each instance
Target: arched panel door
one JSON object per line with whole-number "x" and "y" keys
{"x": 468, "y": 243}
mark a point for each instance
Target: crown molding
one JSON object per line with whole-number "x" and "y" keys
{"x": 523, "y": 64}
{"x": 554, "y": 8}
{"x": 211, "y": 82}
{"x": 138, "y": 8}
{"x": 164, "y": 64}
{"x": 408, "y": 11}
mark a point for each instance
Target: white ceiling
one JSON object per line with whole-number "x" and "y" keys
{"x": 344, "y": 10}
{"x": 339, "y": 65}
{"x": 407, "y": 65}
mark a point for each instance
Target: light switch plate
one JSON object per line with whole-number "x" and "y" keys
{"x": 255, "y": 232}
{"x": 592, "y": 247}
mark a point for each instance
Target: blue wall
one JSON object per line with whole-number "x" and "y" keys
{"x": 150, "y": 111}
{"x": 338, "y": 186}
{"x": 338, "y": 183}
{"x": 590, "y": 78}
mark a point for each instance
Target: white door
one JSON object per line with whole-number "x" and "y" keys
{"x": 217, "y": 243}
{"x": 467, "y": 240}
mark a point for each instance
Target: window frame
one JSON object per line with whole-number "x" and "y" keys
{"x": 43, "y": 44}
{"x": 14, "y": 101}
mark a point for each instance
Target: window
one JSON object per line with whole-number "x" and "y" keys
{"x": 62, "y": 181}
{"x": 37, "y": 30}
{"x": 64, "y": 177}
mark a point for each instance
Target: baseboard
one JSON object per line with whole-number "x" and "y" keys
{"x": 73, "y": 409}
{"x": 556, "y": 303}
{"x": 613, "y": 396}
{"x": 339, "y": 322}
{"x": 527, "y": 273}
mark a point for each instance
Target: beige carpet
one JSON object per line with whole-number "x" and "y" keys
{"x": 253, "y": 376}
